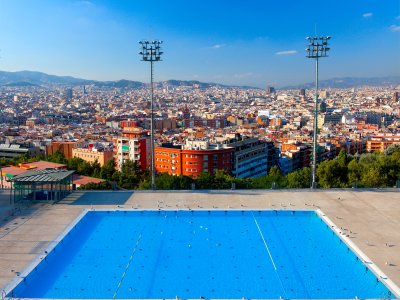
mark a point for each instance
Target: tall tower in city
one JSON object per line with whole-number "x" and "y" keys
{"x": 395, "y": 97}
{"x": 186, "y": 113}
{"x": 270, "y": 89}
{"x": 68, "y": 94}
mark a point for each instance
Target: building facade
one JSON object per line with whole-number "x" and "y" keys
{"x": 14, "y": 150}
{"x": 381, "y": 143}
{"x": 251, "y": 156}
{"x": 193, "y": 158}
{"x": 134, "y": 145}
{"x": 63, "y": 147}
{"x": 102, "y": 156}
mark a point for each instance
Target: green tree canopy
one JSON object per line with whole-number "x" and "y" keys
{"x": 299, "y": 179}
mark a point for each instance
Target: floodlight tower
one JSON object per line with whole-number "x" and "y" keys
{"x": 151, "y": 51}
{"x": 317, "y": 47}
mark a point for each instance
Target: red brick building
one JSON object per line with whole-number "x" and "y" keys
{"x": 191, "y": 160}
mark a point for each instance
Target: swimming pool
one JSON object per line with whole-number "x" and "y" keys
{"x": 192, "y": 254}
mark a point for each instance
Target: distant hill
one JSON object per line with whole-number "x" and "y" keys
{"x": 38, "y": 78}
{"x": 31, "y": 78}
{"x": 177, "y": 83}
{"x": 349, "y": 82}
{"x": 20, "y": 83}
{"x": 120, "y": 84}
{"x": 201, "y": 85}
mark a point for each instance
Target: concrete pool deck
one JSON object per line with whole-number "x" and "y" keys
{"x": 370, "y": 217}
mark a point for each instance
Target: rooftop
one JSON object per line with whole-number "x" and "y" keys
{"x": 49, "y": 175}
{"x": 42, "y": 165}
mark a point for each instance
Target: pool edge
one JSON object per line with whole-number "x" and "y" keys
{"x": 358, "y": 252}
{"x": 26, "y": 271}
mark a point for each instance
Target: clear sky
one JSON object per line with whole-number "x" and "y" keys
{"x": 227, "y": 41}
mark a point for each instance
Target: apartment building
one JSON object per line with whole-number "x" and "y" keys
{"x": 382, "y": 142}
{"x": 193, "y": 158}
{"x": 91, "y": 154}
{"x": 134, "y": 144}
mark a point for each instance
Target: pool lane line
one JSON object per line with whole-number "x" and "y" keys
{"x": 265, "y": 243}
{"x": 269, "y": 253}
{"x": 127, "y": 266}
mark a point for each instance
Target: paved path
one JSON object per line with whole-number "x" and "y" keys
{"x": 372, "y": 216}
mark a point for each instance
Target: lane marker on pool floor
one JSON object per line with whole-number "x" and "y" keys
{"x": 127, "y": 266}
{"x": 269, "y": 253}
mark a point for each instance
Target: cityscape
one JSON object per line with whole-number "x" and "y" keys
{"x": 198, "y": 127}
{"x": 251, "y": 156}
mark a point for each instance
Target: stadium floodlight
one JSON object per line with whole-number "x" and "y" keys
{"x": 317, "y": 48}
{"x": 151, "y": 51}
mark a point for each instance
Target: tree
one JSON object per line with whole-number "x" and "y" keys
{"x": 355, "y": 171}
{"x": 204, "y": 181}
{"x": 130, "y": 175}
{"x": 20, "y": 159}
{"x": 394, "y": 148}
{"x": 84, "y": 168}
{"x": 331, "y": 174}
{"x": 96, "y": 168}
{"x": 275, "y": 171}
{"x": 299, "y": 179}
{"x": 96, "y": 186}
{"x": 57, "y": 157}
{"x": 107, "y": 170}
{"x": 74, "y": 162}
{"x": 374, "y": 178}
{"x": 222, "y": 180}
{"x": 342, "y": 158}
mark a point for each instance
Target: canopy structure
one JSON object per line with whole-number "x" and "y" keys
{"x": 49, "y": 185}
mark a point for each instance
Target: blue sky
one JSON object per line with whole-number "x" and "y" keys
{"x": 234, "y": 42}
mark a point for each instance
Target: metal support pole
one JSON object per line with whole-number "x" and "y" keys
{"x": 1, "y": 175}
{"x": 151, "y": 51}
{"x": 317, "y": 47}
{"x": 153, "y": 171}
{"x": 314, "y": 165}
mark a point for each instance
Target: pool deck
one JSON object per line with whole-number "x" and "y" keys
{"x": 370, "y": 217}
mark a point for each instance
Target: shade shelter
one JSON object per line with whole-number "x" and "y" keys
{"x": 48, "y": 185}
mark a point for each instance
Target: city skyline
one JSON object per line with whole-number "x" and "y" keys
{"x": 256, "y": 45}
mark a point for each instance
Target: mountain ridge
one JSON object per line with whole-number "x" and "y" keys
{"x": 348, "y": 82}
{"x": 35, "y": 78}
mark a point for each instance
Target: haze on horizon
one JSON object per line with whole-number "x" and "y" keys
{"x": 254, "y": 43}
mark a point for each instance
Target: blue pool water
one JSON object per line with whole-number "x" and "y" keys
{"x": 192, "y": 254}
